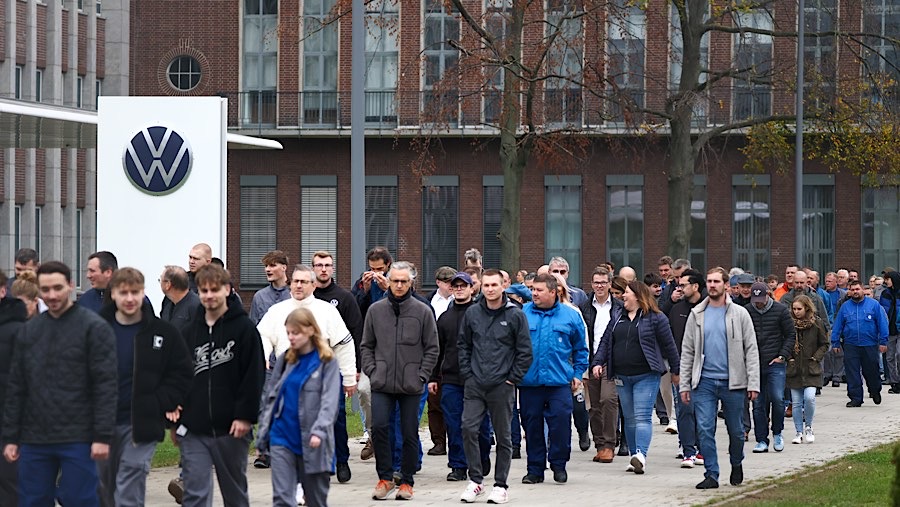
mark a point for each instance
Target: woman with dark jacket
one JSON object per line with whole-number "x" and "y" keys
{"x": 804, "y": 368}
{"x": 634, "y": 350}
{"x": 12, "y": 316}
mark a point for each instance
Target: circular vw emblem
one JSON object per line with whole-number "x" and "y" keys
{"x": 157, "y": 160}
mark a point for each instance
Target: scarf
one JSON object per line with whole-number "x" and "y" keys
{"x": 395, "y": 301}
{"x": 766, "y": 308}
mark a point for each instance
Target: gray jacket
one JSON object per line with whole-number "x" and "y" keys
{"x": 743, "y": 355}
{"x": 317, "y": 411}
{"x": 399, "y": 351}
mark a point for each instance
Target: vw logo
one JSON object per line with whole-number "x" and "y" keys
{"x": 157, "y": 160}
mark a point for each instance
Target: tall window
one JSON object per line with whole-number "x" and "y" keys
{"x": 562, "y": 222}
{"x": 441, "y": 86}
{"x": 260, "y": 62}
{"x": 752, "y": 90}
{"x": 440, "y": 223}
{"x": 627, "y": 29}
{"x": 258, "y": 227}
{"x": 492, "y": 211}
{"x": 98, "y": 91}
{"x": 381, "y": 214}
{"x": 625, "y": 221}
{"x": 820, "y": 56}
{"x": 818, "y": 222}
{"x": 880, "y": 228}
{"x": 700, "y": 107}
{"x": 18, "y": 91}
{"x": 882, "y": 57}
{"x": 78, "y": 253}
{"x": 38, "y": 85}
{"x": 382, "y": 20}
{"x": 17, "y": 225}
{"x": 562, "y": 95}
{"x": 497, "y": 21}
{"x": 320, "y": 60}
{"x": 698, "y": 224}
{"x": 79, "y": 92}
{"x": 318, "y": 215}
{"x": 752, "y": 226}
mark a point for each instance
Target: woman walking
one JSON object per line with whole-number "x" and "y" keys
{"x": 804, "y": 368}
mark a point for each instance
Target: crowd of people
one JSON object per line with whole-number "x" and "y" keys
{"x": 492, "y": 356}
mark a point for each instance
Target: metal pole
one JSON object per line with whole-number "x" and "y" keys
{"x": 358, "y": 141}
{"x": 798, "y": 145}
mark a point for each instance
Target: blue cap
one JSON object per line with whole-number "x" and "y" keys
{"x": 462, "y": 275}
{"x": 519, "y": 290}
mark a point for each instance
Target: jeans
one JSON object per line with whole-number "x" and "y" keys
{"x": 771, "y": 393}
{"x": 705, "y": 399}
{"x": 452, "y": 405}
{"x": 553, "y": 405}
{"x": 687, "y": 426}
{"x": 396, "y": 434}
{"x": 341, "y": 449}
{"x": 637, "y": 396}
{"x": 865, "y": 359}
{"x": 804, "y": 401}
{"x": 41, "y": 464}
{"x": 382, "y": 406}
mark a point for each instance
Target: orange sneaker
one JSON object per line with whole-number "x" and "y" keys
{"x": 405, "y": 492}
{"x": 383, "y": 489}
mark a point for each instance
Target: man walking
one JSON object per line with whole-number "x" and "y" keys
{"x": 719, "y": 363}
{"x": 861, "y": 332}
{"x": 100, "y": 268}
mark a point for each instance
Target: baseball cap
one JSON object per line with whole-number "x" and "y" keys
{"x": 462, "y": 275}
{"x": 519, "y": 290}
{"x": 759, "y": 293}
{"x": 745, "y": 278}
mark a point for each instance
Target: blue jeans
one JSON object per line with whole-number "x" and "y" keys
{"x": 637, "y": 397}
{"x": 705, "y": 399}
{"x": 396, "y": 435}
{"x": 552, "y": 404}
{"x": 341, "y": 449}
{"x": 687, "y": 425}
{"x": 40, "y": 465}
{"x": 771, "y": 393}
{"x": 515, "y": 425}
{"x": 865, "y": 359}
{"x": 804, "y": 406}
{"x": 452, "y": 406}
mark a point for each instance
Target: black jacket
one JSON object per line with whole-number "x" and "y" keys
{"x": 13, "y": 315}
{"x": 589, "y": 312}
{"x": 346, "y": 305}
{"x": 162, "y": 374}
{"x": 447, "y": 369}
{"x": 229, "y": 371}
{"x": 678, "y": 316}
{"x": 774, "y": 332}
{"x": 494, "y": 345}
{"x": 63, "y": 382}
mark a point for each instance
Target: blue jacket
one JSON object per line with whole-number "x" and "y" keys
{"x": 831, "y": 302}
{"x": 558, "y": 344}
{"x": 863, "y": 324}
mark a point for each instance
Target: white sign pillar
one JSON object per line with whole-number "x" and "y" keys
{"x": 161, "y": 181}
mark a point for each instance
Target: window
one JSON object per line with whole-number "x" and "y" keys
{"x": 318, "y": 215}
{"x": 80, "y": 5}
{"x": 880, "y": 228}
{"x": 381, "y": 212}
{"x": 562, "y": 222}
{"x": 98, "y": 91}
{"x": 79, "y": 92}
{"x": 752, "y": 227}
{"x": 625, "y": 221}
{"x": 184, "y": 73}
{"x": 700, "y": 107}
{"x": 258, "y": 227}
{"x": 562, "y": 95}
{"x": 820, "y": 55}
{"x": 497, "y": 24}
{"x": 99, "y": 7}
{"x": 38, "y": 85}
{"x": 17, "y": 218}
{"x": 260, "y": 62}
{"x": 18, "y": 90}
{"x": 382, "y": 29}
{"x": 818, "y": 221}
{"x": 440, "y": 223}
{"x": 627, "y": 29}
{"x": 697, "y": 245}
{"x": 320, "y": 61}
{"x": 440, "y": 100}
{"x": 882, "y": 58}
{"x": 752, "y": 90}
{"x": 78, "y": 254}
{"x": 492, "y": 211}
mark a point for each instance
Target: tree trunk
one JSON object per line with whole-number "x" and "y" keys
{"x": 681, "y": 186}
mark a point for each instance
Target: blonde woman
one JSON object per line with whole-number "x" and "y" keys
{"x": 26, "y": 289}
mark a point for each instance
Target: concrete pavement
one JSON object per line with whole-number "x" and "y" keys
{"x": 839, "y": 430}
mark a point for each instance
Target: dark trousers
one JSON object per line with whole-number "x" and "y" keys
{"x": 580, "y": 414}
{"x": 436, "y": 424}
{"x": 515, "y": 424}
{"x": 771, "y": 382}
{"x": 8, "y": 480}
{"x": 382, "y": 405}
{"x": 41, "y": 465}
{"x": 604, "y": 411}
{"x": 479, "y": 401}
{"x": 553, "y": 405}
{"x": 864, "y": 359}
{"x": 452, "y": 405}
{"x": 341, "y": 449}
{"x": 396, "y": 435}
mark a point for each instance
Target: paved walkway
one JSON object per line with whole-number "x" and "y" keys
{"x": 839, "y": 430}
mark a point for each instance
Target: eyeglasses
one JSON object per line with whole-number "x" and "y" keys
{"x": 459, "y": 287}
{"x": 303, "y": 282}
{"x": 683, "y": 285}
{"x": 321, "y": 265}
{"x": 600, "y": 284}
{"x": 401, "y": 282}
{"x": 559, "y": 271}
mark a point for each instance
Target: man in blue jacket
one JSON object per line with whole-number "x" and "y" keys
{"x": 861, "y": 331}
{"x": 560, "y": 358}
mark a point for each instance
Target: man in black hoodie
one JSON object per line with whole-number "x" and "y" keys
{"x": 155, "y": 374}
{"x": 223, "y": 402}
{"x": 12, "y": 316}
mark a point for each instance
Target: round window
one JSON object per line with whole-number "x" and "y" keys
{"x": 184, "y": 73}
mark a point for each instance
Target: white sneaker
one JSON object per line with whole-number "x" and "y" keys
{"x": 810, "y": 438}
{"x": 472, "y": 492}
{"x": 638, "y": 461}
{"x": 364, "y": 438}
{"x": 672, "y": 427}
{"x": 798, "y": 439}
{"x": 687, "y": 462}
{"x": 499, "y": 495}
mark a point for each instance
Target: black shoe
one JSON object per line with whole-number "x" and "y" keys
{"x": 517, "y": 452}
{"x": 262, "y": 462}
{"x": 708, "y": 483}
{"x": 457, "y": 475}
{"x": 343, "y": 472}
{"x": 737, "y": 475}
{"x": 532, "y": 479}
{"x": 853, "y": 404}
{"x": 835, "y": 383}
{"x": 876, "y": 398}
{"x": 486, "y": 467}
{"x": 895, "y": 389}
{"x": 560, "y": 476}
{"x": 818, "y": 391}
{"x": 438, "y": 450}
{"x": 663, "y": 421}
{"x": 623, "y": 451}
{"x": 584, "y": 441}
{"x": 720, "y": 414}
